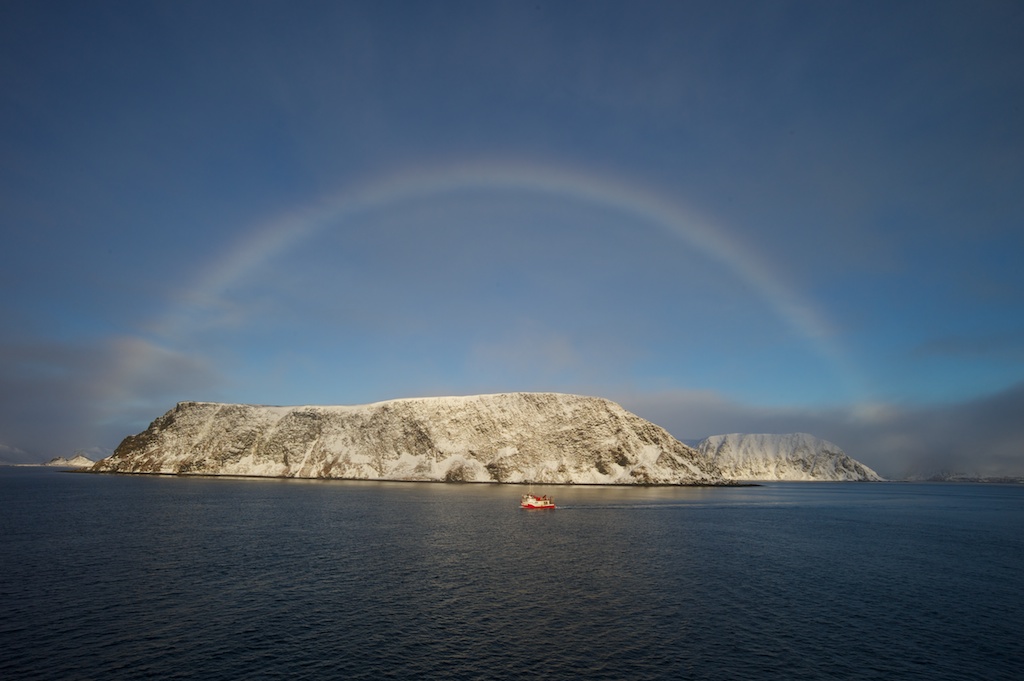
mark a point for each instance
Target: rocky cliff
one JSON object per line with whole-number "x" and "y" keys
{"x": 794, "y": 456}
{"x": 510, "y": 437}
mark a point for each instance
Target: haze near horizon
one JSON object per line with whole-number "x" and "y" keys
{"x": 725, "y": 216}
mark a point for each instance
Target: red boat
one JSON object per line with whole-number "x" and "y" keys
{"x": 531, "y": 501}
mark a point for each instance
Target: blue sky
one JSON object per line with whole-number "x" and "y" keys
{"x": 726, "y": 216}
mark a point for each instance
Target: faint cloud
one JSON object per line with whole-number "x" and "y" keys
{"x": 1006, "y": 345}
{"x": 198, "y": 312}
{"x": 142, "y": 366}
{"x": 14, "y": 455}
{"x": 44, "y": 395}
{"x": 144, "y": 378}
{"x": 982, "y": 437}
{"x": 529, "y": 349}
{"x": 59, "y": 398}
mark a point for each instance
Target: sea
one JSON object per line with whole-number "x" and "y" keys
{"x": 152, "y": 577}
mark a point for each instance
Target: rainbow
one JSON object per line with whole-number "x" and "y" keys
{"x": 273, "y": 238}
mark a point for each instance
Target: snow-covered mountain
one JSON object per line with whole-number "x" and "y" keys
{"x": 509, "y": 437}
{"x": 794, "y": 456}
{"x": 78, "y": 461}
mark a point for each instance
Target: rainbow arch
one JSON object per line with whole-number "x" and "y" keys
{"x": 268, "y": 240}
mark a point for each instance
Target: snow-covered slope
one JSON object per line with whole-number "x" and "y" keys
{"x": 509, "y": 437}
{"x": 78, "y": 461}
{"x": 795, "y": 456}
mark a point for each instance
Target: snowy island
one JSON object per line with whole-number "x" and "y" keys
{"x": 794, "y": 456}
{"x": 78, "y": 461}
{"x": 509, "y": 437}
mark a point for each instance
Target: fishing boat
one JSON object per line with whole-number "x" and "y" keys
{"x": 531, "y": 501}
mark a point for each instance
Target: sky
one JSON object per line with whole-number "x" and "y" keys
{"x": 725, "y": 216}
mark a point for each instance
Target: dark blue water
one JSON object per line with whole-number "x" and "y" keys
{"x": 110, "y": 577}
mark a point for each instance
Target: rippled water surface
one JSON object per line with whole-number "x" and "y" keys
{"x": 129, "y": 577}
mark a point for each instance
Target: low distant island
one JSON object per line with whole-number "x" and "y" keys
{"x": 517, "y": 437}
{"x": 77, "y": 461}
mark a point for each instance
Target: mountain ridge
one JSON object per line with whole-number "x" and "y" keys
{"x": 78, "y": 461}
{"x": 517, "y": 437}
{"x": 783, "y": 457}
